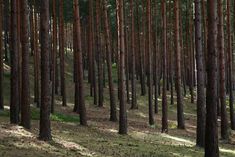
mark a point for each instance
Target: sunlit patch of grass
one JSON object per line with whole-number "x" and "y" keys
{"x": 64, "y": 118}
{"x": 172, "y": 125}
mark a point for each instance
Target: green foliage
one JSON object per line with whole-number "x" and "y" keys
{"x": 35, "y": 115}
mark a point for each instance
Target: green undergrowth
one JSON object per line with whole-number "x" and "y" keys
{"x": 35, "y": 115}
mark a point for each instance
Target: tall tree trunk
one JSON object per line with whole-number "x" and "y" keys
{"x": 142, "y": 61}
{"x": 201, "y": 99}
{"x": 211, "y": 136}
{"x": 20, "y": 51}
{"x": 36, "y": 61}
{"x": 156, "y": 56}
{"x": 79, "y": 81}
{"x": 99, "y": 56}
{"x": 222, "y": 91}
{"x": 164, "y": 97}
{"x": 14, "y": 105}
{"x": 150, "y": 71}
{"x": 6, "y": 29}
{"x": 1, "y": 58}
{"x": 123, "y": 112}
{"x": 45, "y": 126}
{"x": 113, "y": 116}
{"x": 75, "y": 47}
{"x": 90, "y": 46}
{"x": 133, "y": 67}
{"x": 61, "y": 49}
{"x": 25, "y": 105}
{"x": 180, "y": 111}
{"x": 230, "y": 67}
{"x": 53, "y": 54}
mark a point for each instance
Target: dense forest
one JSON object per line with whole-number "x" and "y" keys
{"x": 117, "y": 78}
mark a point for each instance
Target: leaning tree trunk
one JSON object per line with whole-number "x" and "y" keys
{"x": 211, "y": 137}
{"x": 45, "y": 125}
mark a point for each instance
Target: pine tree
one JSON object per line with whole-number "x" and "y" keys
{"x": 45, "y": 126}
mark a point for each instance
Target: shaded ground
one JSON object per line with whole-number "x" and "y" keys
{"x": 100, "y": 138}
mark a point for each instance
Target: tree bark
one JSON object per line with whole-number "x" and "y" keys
{"x": 222, "y": 91}
{"x": 25, "y": 105}
{"x": 150, "y": 71}
{"x": 99, "y": 56}
{"x": 211, "y": 136}
{"x": 61, "y": 49}
{"x": 164, "y": 73}
{"x": 1, "y": 58}
{"x": 180, "y": 110}
{"x": 6, "y": 29}
{"x": 133, "y": 63}
{"x": 230, "y": 67}
{"x": 14, "y": 105}
{"x": 123, "y": 113}
{"x": 82, "y": 108}
{"x": 45, "y": 126}
{"x": 201, "y": 99}
{"x": 113, "y": 116}
{"x": 53, "y": 54}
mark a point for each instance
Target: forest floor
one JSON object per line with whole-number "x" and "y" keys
{"x": 100, "y": 138}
